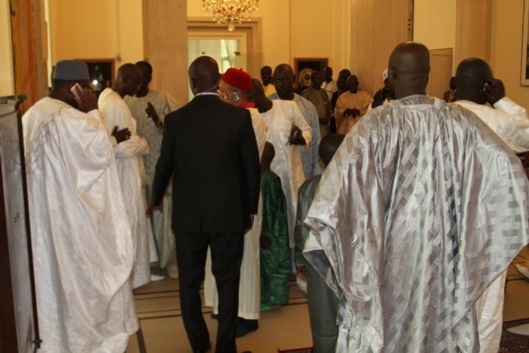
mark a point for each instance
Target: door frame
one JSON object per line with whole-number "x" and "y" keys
{"x": 252, "y": 30}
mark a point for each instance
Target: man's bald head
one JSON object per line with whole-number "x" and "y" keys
{"x": 204, "y": 75}
{"x": 284, "y": 69}
{"x": 328, "y": 146}
{"x": 408, "y": 69}
{"x": 266, "y": 75}
{"x": 128, "y": 69}
{"x": 283, "y": 79}
{"x": 471, "y": 74}
{"x": 128, "y": 80}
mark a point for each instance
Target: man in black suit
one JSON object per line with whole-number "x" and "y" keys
{"x": 209, "y": 148}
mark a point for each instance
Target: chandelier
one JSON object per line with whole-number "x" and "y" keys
{"x": 230, "y": 11}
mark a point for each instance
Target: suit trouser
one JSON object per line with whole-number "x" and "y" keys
{"x": 323, "y": 310}
{"x": 226, "y": 256}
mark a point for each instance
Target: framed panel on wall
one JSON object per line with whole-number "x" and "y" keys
{"x": 303, "y": 68}
{"x": 102, "y": 73}
{"x": 524, "y": 69}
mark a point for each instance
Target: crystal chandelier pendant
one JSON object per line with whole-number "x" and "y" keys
{"x": 230, "y": 12}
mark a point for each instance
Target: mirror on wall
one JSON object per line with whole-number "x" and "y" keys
{"x": 524, "y": 69}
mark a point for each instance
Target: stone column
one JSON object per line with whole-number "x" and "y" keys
{"x": 165, "y": 45}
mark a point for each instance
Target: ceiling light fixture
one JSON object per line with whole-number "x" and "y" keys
{"x": 230, "y": 11}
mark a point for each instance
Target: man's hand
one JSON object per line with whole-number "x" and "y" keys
{"x": 87, "y": 102}
{"x": 151, "y": 208}
{"x": 326, "y": 119}
{"x": 351, "y": 112}
{"x": 264, "y": 241}
{"x": 252, "y": 218}
{"x": 493, "y": 90}
{"x": 301, "y": 269}
{"x": 296, "y": 137}
{"x": 151, "y": 113}
{"x": 121, "y": 135}
{"x": 300, "y": 140}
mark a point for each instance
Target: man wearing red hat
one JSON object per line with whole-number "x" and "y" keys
{"x": 234, "y": 87}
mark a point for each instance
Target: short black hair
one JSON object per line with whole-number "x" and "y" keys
{"x": 146, "y": 65}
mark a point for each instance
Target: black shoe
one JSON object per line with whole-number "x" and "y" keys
{"x": 246, "y": 326}
{"x": 207, "y": 348}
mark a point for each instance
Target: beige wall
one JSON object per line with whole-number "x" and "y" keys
{"x": 321, "y": 29}
{"x": 506, "y": 53}
{"x": 76, "y": 32}
{"x": 97, "y": 29}
{"x": 434, "y": 23}
{"x": 130, "y": 46}
{"x": 376, "y": 28}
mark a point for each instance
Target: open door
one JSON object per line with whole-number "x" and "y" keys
{"x": 19, "y": 325}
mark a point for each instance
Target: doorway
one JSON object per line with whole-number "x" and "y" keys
{"x": 248, "y": 55}
{"x": 229, "y": 51}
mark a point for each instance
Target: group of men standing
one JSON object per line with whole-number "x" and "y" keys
{"x": 101, "y": 245}
{"x": 411, "y": 228}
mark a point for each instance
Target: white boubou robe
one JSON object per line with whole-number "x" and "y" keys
{"x": 419, "y": 213}
{"x": 133, "y": 180}
{"x": 509, "y": 120}
{"x": 287, "y": 162}
{"x": 81, "y": 239}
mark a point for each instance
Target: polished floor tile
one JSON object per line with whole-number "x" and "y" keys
{"x": 284, "y": 327}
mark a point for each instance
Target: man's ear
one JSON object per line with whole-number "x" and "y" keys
{"x": 428, "y": 76}
{"x": 392, "y": 74}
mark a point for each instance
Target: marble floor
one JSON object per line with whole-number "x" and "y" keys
{"x": 285, "y": 327}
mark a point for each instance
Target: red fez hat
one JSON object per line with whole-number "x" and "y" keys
{"x": 238, "y": 79}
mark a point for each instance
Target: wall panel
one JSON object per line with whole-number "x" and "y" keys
{"x": 473, "y": 29}
{"x": 376, "y": 28}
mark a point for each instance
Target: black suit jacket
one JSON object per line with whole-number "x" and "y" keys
{"x": 210, "y": 149}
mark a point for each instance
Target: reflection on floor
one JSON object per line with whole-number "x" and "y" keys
{"x": 285, "y": 327}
